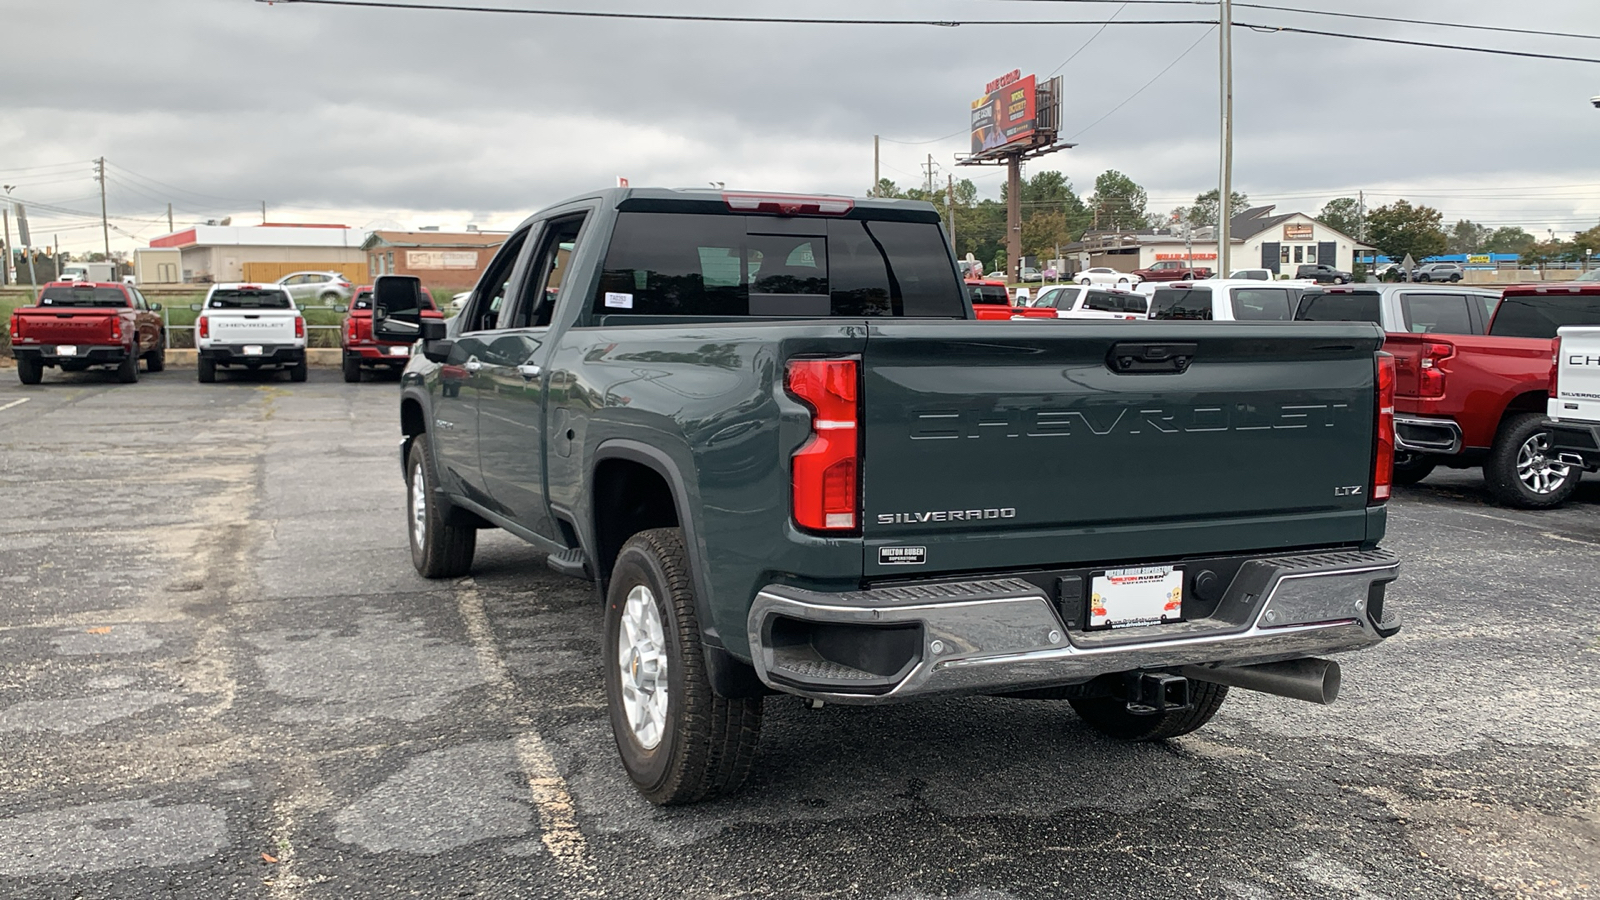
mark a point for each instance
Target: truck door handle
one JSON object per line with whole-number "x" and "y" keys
{"x": 472, "y": 365}
{"x": 1152, "y": 357}
{"x": 529, "y": 371}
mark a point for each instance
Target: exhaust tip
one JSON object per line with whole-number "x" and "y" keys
{"x": 1312, "y": 680}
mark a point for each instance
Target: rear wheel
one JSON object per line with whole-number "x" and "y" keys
{"x": 156, "y": 360}
{"x": 1454, "y": 278}
{"x": 128, "y": 372}
{"x": 1410, "y": 468}
{"x": 352, "y": 368}
{"x": 208, "y": 370}
{"x": 679, "y": 741}
{"x": 298, "y": 371}
{"x": 438, "y": 549}
{"x": 330, "y": 298}
{"x": 1522, "y": 471}
{"x": 1110, "y": 716}
{"x": 29, "y": 371}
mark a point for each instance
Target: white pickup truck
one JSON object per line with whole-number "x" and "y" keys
{"x": 250, "y": 326}
{"x": 1574, "y": 406}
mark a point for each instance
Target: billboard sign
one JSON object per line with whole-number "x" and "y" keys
{"x": 1006, "y": 113}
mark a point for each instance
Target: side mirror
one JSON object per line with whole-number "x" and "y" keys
{"x": 397, "y": 308}
{"x": 155, "y": 307}
{"x": 340, "y": 307}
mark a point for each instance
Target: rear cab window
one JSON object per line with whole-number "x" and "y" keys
{"x": 1181, "y": 303}
{"x": 1539, "y": 315}
{"x": 1437, "y": 314}
{"x": 249, "y": 298}
{"x": 734, "y": 265}
{"x": 1261, "y": 304}
{"x": 85, "y": 296}
{"x": 1342, "y": 306}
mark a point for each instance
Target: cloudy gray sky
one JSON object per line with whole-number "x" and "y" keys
{"x": 404, "y": 118}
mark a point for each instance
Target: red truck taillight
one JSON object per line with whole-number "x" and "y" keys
{"x": 823, "y": 473}
{"x": 299, "y": 327}
{"x": 1430, "y": 378}
{"x": 350, "y": 330}
{"x": 204, "y": 324}
{"x": 1383, "y": 450}
{"x": 116, "y": 329}
{"x": 1555, "y": 366}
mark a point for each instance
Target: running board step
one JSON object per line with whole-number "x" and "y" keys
{"x": 570, "y": 562}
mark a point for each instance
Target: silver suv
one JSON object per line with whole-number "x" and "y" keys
{"x": 1438, "y": 272}
{"x": 329, "y": 287}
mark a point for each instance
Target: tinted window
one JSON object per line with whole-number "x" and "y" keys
{"x": 1261, "y": 304}
{"x": 1437, "y": 314}
{"x": 83, "y": 296}
{"x": 362, "y": 300}
{"x": 1135, "y": 303}
{"x": 989, "y": 293}
{"x": 1539, "y": 317}
{"x": 1103, "y": 301}
{"x": 1173, "y": 303}
{"x": 249, "y": 298}
{"x": 696, "y": 264}
{"x": 1355, "y": 306}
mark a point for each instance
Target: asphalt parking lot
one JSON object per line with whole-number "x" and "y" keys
{"x": 222, "y": 678}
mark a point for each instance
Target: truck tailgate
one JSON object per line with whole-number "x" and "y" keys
{"x": 265, "y": 327}
{"x": 85, "y": 327}
{"x": 1578, "y": 376}
{"x": 1006, "y": 444}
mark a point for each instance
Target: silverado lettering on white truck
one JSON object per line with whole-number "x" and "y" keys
{"x": 731, "y": 457}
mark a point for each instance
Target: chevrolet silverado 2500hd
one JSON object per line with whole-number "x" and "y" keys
{"x": 740, "y": 414}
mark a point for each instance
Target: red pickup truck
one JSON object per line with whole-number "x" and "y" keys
{"x": 991, "y": 300}
{"x": 361, "y": 350}
{"x": 1480, "y": 399}
{"x": 81, "y": 324}
{"x": 1172, "y": 270}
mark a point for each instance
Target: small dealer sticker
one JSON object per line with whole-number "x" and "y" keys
{"x": 902, "y": 556}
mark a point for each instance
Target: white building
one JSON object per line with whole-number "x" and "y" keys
{"x": 1259, "y": 239}
{"x": 211, "y": 253}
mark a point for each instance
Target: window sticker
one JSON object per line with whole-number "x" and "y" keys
{"x": 618, "y": 301}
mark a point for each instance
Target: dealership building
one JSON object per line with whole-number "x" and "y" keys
{"x": 441, "y": 259}
{"x": 1260, "y": 239}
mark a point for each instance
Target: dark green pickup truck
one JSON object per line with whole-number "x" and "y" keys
{"x": 770, "y": 429}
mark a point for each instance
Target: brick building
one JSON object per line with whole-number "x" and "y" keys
{"x": 442, "y": 259}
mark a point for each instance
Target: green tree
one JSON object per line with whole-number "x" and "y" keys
{"x": 1118, "y": 203}
{"x": 1508, "y": 239}
{"x": 1204, "y": 210}
{"x": 1587, "y": 241}
{"x": 1554, "y": 250}
{"x": 1467, "y": 237}
{"x": 1344, "y": 215}
{"x": 1043, "y": 232}
{"x": 1400, "y": 229}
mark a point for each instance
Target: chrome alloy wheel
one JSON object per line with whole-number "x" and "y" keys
{"x": 1536, "y": 469}
{"x": 419, "y": 507}
{"x": 642, "y": 658}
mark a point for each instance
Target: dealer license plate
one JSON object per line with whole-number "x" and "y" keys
{"x": 66, "y": 349}
{"x": 252, "y": 350}
{"x": 1149, "y": 595}
{"x": 399, "y": 351}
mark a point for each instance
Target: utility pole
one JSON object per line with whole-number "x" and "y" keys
{"x": 169, "y": 218}
{"x": 1014, "y": 215}
{"x": 263, "y": 212}
{"x": 5, "y": 267}
{"x": 1361, "y": 215}
{"x": 105, "y": 228}
{"x": 929, "y": 188}
{"x": 1225, "y": 187}
{"x": 876, "y": 178}
{"x": 950, "y": 203}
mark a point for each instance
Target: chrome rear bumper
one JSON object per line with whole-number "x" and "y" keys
{"x": 984, "y": 636}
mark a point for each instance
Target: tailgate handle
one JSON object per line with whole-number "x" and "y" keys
{"x": 1147, "y": 357}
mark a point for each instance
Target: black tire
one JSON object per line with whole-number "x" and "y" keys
{"x": 1500, "y": 469}
{"x": 1422, "y": 278}
{"x": 1454, "y": 278}
{"x": 156, "y": 360}
{"x": 443, "y": 550}
{"x": 1410, "y": 468}
{"x": 208, "y": 370}
{"x": 128, "y": 371}
{"x": 29, "y": 371}
{"x": 352, "y": 368}
{"x": 1110, "y": 716}
{"x": 707, "y": 744}
{"x": 298, "y": 371}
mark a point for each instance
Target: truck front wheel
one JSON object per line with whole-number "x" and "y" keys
{"x": 679, "y": 741}
{"x": 1111, "y": 717}
{"x": 1522, "y": 471}
{"x": 156, "y": 360}
{"x": 439, "y": 549}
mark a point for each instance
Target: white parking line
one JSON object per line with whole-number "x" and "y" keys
{"x": 15, "y": 403}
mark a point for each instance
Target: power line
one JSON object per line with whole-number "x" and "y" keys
{"x": 1463, "y": 25}
{"x": 1269, "y": 29}
{"x": 1086, "y": 44}
{"x": 146, "y": 178}
{"x": 1147, "y": 84}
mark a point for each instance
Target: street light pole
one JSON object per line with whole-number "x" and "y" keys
{"x": 1225, "y": 181}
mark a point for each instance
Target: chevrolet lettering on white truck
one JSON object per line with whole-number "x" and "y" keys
{"x": 250, "y": 327}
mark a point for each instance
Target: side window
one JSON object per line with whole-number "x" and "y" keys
{"x": 547, "y": 273}
{"x": 138, "y": 299}
{"x": 483, "y": 310}
{"x": 1436, "y": 314}
{"x": 1103, "y": 301}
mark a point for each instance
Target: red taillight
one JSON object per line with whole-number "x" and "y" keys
{"x": 1430, "y": 377}
{"x": 350, "y": 329}
{"x": 205, "y": 327}
{"x": 1383, "y": 451}
{"x": 789, "y": 204}
{"x": 823, "y": 473}
{"x": 116, "y": 329}
{"x": 299, "y": 327}
{"x": 1555, "y": 366}
{"x": 16, "y": 328}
